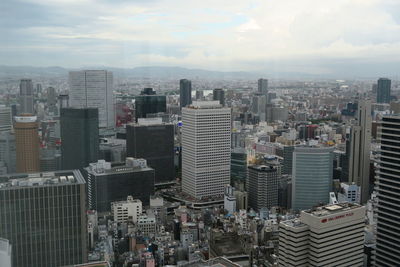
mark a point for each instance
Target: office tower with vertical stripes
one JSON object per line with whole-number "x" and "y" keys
{"x": 26, "y": 101}
{"x": 93, "y": 89}
{"x": 43, "y": 215}
{"x": 387, "y": 187}
{"x": 206, "y": 149}
{"x": 311, "y": 176}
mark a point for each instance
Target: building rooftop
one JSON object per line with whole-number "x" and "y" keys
{"x": 41, "y": 179}
{"x": 294, "y": 223}
{"x": 131, "y": 165}
{"x": 205, "y": 105}
{"x": 332, "y": 209}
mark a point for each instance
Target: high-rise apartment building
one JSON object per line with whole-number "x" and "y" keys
{"x": 79, "y": 137}
{"x": 262, "y": 86}
{"x": 185, "y": 92}
{"x": 26, "y": 103}
{"x": 27, "y": 143}
{"x": 43, "y": 215}
{"x": 153, "y": 140}
{"x": 219, "y": 95}
{"x": 263, "y": 186}
{"x": 331, "y": 235}
{"x": 206, "y": 152}
{"x": 93, "y": 89}
{"x": 311, "y": 176}
{"x": 5, "y": 118}
{"x": 359, "y": 151}
{"x": 383, "y": 90}
{"x": 107, "y": 183}
{"x": 388, "y": 193}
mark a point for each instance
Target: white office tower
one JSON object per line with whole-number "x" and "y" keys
{"x": 26, "y": 97}
{"x": 5, "y": 118}
{"x": 229, "y": 199}
{"x": 332, "y": 235}
{"x": 93, "y": 89}
{"x": 124, "y": 211}
{"x": 387, "y": 186}
{"x": 5, "y": 253}
{"x": 206, "y": 149}
{"x": 360, "y": 147}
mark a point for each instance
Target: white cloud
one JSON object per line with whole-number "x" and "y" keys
{"x": 223, "y": 34}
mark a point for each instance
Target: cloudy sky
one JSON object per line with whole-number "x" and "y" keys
{"x": 309, "y": 36}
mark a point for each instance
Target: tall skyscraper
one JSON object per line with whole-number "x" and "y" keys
{"x": 360, "y": 146}
{"x": 148, "y": 102}
{"x": 185, "y": 92}
{"x": 332, "y": 235}
{"x": 79, "y": 137}
{"x": 311, "y": 176}
{"x": 219, "y": 95}
{"x": 262, "y": 186}
{"x": 153, "y": 140}
{"x": 388, "y": 193}
{"x": 206, "y": 152}
{"x": 27, "y": 143}
{"x": 383, "y": 90}
{"x": 26, "y": 104}
{"x": 107, "y": 183}
{"x": 43, "y": 215}
{"x": 263, "y": 86}
{"x": 259, "y": 106}
{"x": 5, "y": 118}
{"x": 93, "y": 89}
{"x": 8, "y": 154}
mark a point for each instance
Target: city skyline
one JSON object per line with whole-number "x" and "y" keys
{"x": 261, "y": 36}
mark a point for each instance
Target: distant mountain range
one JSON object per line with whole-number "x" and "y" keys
{"x": 138, "y": 72}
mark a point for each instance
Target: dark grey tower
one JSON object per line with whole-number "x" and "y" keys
{"x": 383, "y": 90}
{"x": 26, "y": 97}
{"x": 262, "y": 185}
{"x": 79, "y": 137}
{"x": 155, "y": 143}
{"x": 185, "y": 91}
{"x": 263, "y": 86}
{"x": 43, "y": 215}
{"x": 219, "y": 95}
{"x": 387, "y": 187}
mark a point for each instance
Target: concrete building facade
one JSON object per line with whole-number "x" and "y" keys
{"x": 332, "y": 235}
{"x": 206, "y": 152}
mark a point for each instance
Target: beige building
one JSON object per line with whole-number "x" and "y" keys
{"x": 332, "y": 235}
{"x": 27, "y": 143}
